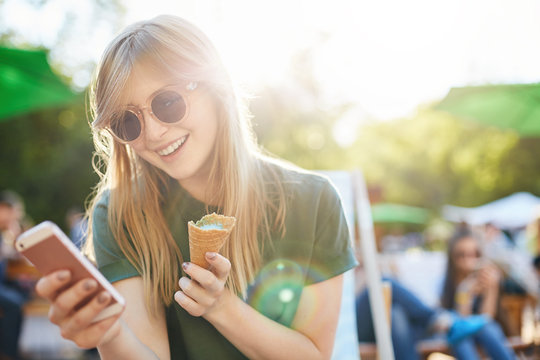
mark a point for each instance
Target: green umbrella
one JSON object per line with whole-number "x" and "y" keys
{"x": 513, "y": 106}
{"x": 398, "y": 213}
{"x": 27, "y": 83}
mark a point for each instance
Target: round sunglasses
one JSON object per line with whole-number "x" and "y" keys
{"x": 169, "y": 105}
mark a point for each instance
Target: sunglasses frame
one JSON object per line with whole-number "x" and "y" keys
{"x": 138, "y": 111}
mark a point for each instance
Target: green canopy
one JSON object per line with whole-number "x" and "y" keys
{"x": 397, "y": 213}
{"x": 27, "y": 83}
{"x": 513, "y": 106}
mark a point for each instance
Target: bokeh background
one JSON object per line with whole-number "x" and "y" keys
{"x": 335, "y": 85}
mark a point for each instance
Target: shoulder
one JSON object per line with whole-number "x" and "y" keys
{"x": 100, "y": 220}
{"x": 102, "y": 200}
{"x": 298, "y": 183}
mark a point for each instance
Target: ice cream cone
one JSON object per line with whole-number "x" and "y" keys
{"x": 208, "y": 234}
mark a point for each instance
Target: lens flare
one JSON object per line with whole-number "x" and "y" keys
{"x": 276, "y": 290}
{"x": 278, "y": 287}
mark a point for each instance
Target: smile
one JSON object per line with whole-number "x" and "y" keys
{"x": 173, "y": 147}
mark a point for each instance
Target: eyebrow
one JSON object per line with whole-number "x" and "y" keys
{"x": 153, "y": 94}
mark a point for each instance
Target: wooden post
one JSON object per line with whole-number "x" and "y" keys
{"x": 381, "y": 323}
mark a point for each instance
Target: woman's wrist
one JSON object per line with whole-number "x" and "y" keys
{"x": 221, "y": 308}
{"x": 114, "y": 338}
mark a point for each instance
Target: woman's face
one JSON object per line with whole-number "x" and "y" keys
{"x": 184, "y": 149}
{"x": 465, "y": 255}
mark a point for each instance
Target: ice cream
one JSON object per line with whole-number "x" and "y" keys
{"x": 209, "y": 234}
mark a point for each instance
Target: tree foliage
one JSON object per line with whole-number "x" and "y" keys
{"x": 46, "y": 157}
{"x": 426, "y": 160}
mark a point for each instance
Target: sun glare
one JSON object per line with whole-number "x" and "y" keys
{"x": 387, "y": 57}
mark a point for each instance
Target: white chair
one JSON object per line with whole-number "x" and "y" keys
{"x": 354, "y": 197}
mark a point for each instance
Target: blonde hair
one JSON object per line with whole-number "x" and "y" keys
{"x": 173, "y": 44}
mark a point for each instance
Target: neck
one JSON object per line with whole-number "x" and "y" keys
{"x": 460, "y": 276}
{"x": 198, "y": 188}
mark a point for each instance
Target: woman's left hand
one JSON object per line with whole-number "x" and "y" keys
{"x": 204, "y": 292}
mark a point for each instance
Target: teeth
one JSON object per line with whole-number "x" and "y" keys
{"x": 171, "y": 148}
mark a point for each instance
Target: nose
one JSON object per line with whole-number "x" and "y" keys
{"x": 154, "y": 129}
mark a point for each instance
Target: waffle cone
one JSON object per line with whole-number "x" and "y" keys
{"x": 202, "y": 241}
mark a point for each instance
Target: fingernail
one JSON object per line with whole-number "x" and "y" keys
{"x": 178, "y": 295}
{"x": 184, "y": 282}
{"x": 103, "y": 297}
{"x": 185, "y": 266}
{"x": 211, "y": 255}
{"x": 62, "y": 275}
{"x": 89, "y": 285}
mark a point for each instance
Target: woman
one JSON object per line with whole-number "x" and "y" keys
{"x": 471, "y": 286}
{"x": 177, "y": 145}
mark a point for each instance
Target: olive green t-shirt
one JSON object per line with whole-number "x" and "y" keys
{"x": 315, "y": 247}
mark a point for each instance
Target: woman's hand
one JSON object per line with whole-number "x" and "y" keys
{"x": 489, "y": 278}
{"x": 74, "y": 320}
{"x": 204, "y": 292}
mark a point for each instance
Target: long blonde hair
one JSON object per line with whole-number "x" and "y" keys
{"x": 177, "y": 46}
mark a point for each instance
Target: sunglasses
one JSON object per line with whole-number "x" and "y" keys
{"x": 169, "y": 106}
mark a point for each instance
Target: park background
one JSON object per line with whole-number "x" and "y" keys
{"x": 333, "y": 85}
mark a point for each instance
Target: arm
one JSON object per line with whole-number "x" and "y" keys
{"x": 488, "y": 280}
{"x": 313, "y": 329}
{"x": 112, "y": 336}
{"x": 144, "y": 336}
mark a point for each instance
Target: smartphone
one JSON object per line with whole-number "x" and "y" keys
{"x": 49, "y": 249}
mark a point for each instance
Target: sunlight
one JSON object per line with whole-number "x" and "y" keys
{"x": 388, "y": 57}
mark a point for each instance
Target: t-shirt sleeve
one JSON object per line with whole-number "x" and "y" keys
{"x": 333, "y": 253}
{"x": 110, "y": 259}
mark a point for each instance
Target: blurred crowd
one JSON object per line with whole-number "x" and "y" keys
{"x": 17, "y": 276}
{"x": 484, "y": 266}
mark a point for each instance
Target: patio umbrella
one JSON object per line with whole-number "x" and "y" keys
{"x": 27, "y": 83}
{"x": 512, "y": 106}
{"x": 511, "y": 212}
{"x": 398, "y": 213}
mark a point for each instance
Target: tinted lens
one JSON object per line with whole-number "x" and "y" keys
{"x": 169, "y": 106}
{"x": 128, "y": 127}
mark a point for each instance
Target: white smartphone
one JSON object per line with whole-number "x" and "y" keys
{"x": 49, "y": 249}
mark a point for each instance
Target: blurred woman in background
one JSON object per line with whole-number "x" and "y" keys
{"x": 471, "y": 286}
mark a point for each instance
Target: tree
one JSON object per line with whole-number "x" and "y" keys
{"x": 46, "y": 155}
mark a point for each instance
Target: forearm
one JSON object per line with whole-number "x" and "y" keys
{"x": 126, "y": 346}
{"x": 258, "y": 337}
{"x": 489, "y": 303}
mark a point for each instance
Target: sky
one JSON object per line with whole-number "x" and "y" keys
{"x": 387, "y": 56}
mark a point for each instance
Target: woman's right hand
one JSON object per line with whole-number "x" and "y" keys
{"x": 75, "y": 321}
{"x": 489, "y": 278}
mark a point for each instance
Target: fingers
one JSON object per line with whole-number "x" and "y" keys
{"x": 66, "y": 302}
{"x": 212, "y": 280}
{"x": 82, "y": 319}
{"x": 48, "y": 286}
{"x": 190, "y": 305}
{"x": 202, "y": 292}
{"x": 220, "y": 265}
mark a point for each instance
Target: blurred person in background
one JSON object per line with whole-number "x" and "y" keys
{"x": 78, "y": 226}
{"x": 531, "y": 236}
{"x": 412, "y": 321}
{"x": 12, "y": 296}
{"x": 472, "y": 286}
{"x": 513, "y": 260}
